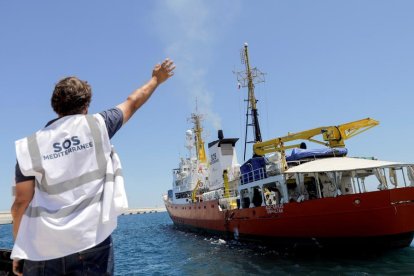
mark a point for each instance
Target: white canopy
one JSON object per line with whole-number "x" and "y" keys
{"x": 336, "y": 164}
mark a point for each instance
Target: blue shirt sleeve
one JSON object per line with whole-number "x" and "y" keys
{"x": 113, "y": 119}
{"x": 19, "y": 177}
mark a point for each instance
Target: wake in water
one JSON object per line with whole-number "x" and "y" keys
{"x": 292, "y": 250}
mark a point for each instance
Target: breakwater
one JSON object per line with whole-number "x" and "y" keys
{"x": 6, "y": 218}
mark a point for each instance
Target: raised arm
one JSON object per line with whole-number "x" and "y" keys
{"x": 137, "y": 98}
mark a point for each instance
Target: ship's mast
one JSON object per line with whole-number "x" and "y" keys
{"x": 199, "y": 143}
{"x": 247, "y": 79}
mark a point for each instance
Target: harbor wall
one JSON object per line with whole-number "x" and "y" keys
{"x": 6, "y": 218}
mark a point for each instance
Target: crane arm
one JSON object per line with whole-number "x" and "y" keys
{"x": 333, "y": 136}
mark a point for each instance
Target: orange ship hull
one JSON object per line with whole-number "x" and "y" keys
{"x": 382, "y": 218}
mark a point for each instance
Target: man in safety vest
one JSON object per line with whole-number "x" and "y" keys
{"x": 69, "y": 185}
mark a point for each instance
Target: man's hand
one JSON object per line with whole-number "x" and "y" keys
{"x": 137, "y": 98}
{"x": 17, "y": 269}
{"x": 164, "y": 71}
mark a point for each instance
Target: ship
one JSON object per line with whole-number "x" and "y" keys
{"x": 289, "y": 195}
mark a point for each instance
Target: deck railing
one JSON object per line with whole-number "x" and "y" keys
{"x": 253, "y": 175}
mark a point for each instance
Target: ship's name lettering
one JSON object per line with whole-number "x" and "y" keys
{"x": 213, "y": 159}
{"x": 274, "y": 209}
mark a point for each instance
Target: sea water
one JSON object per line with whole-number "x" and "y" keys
{"x": 148, "y": 244}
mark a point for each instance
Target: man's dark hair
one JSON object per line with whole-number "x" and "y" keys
{"x": 71, "y": 96}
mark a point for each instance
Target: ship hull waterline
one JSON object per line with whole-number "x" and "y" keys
{"x": 381, "y": 219}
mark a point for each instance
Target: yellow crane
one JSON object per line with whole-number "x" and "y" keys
{"x": 199, "y": 142}
{"x": 332, "y": 136}
{"x": 194, "y": 193}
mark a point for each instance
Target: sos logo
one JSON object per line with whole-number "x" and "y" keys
{"x": 73, "y": 141}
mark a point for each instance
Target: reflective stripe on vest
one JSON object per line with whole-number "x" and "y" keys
{"x": 63, "y": 212}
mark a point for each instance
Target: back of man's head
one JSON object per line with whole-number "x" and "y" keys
{"x": 71, "y": 96}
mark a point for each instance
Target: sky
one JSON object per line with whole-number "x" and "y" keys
{"x": 325, "y": 63}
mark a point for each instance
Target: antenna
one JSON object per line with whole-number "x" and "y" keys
{"x": 249, "y": 78}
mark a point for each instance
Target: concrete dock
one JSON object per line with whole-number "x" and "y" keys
{"x": 138, "y": 211}
{"x": 6, "y": 218}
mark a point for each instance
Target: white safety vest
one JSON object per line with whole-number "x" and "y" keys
{"x": 79, "y": 189}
